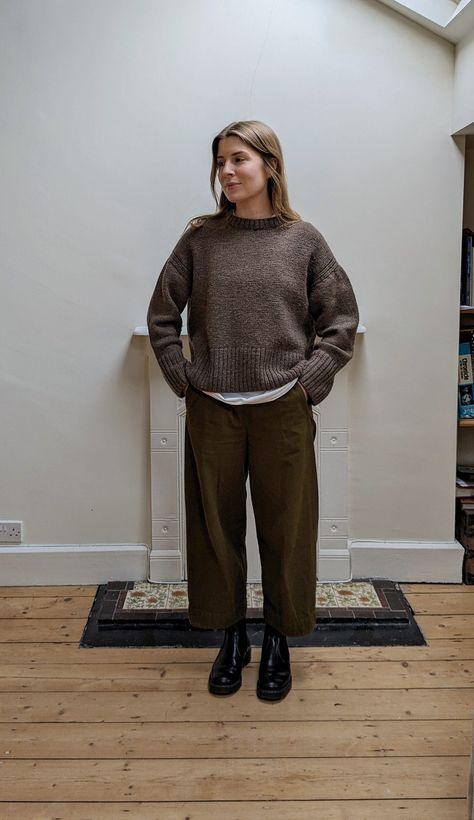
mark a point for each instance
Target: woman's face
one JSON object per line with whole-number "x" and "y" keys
{"x": 242, "y": 174}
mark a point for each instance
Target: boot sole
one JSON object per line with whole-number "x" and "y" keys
{"x": 273, "y": 694}
{"x": 230, "y": 688}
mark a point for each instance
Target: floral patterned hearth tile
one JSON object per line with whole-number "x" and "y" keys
{"x": 358, "y": 594}
{"x": 174, "y": 596}
{"x": 147, "y": 596}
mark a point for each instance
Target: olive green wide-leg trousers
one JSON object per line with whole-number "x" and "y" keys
{"x": 273, "y": 444}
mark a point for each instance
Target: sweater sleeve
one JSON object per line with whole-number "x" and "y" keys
{"x": 333, "y": 306}
{"x": 169, "y": 299}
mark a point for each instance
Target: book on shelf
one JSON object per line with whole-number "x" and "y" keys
{"x": 464, "y": 526}
{"x": 464, "y": 491}
{"x": 467, "y": 285}
{"x": 466, "y": 375}
{"x": 464, "y": 482}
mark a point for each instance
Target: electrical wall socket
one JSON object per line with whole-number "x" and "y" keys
{"x": 11, "y": 532}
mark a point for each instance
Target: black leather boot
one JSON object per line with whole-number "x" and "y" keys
{"x": 274, "y": 675}
{"x": 226, "y": 673}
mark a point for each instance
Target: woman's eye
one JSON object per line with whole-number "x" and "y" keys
{"x": 237, "y": 159}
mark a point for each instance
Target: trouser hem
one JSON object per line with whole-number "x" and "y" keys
{"x": 218, "y": 620}
{"x": 214, "y": 620}
{"x": 291, "y": 630}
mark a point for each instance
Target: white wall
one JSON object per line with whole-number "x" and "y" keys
{"x": 108, "y": 110}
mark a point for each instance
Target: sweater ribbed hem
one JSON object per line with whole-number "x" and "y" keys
{"x": 318, "y": 375}
{"x": 247, "y": 369}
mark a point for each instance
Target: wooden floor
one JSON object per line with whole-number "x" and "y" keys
{"x": 365, "y": 734}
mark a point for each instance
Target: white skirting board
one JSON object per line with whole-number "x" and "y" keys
{"x": 69, "y": 564}
{"x": 415, "y": 561}
{"x": 54, "y": 564}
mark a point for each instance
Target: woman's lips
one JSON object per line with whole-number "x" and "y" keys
{"x": 233, "y": 185}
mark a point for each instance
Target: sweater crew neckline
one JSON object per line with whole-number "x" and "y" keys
{"x": 254, "y": 224}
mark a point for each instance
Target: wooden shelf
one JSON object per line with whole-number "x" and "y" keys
{"x": 466, "y": 422}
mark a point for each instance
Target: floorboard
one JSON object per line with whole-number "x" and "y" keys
{"x": 365, "y": 733}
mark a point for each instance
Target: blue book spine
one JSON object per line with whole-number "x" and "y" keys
{"x": 465, "y": 381}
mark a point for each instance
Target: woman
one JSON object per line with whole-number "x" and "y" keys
{"x": 272, "y": 317}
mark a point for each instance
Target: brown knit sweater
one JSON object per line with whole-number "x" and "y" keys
{"x": 267, "y": 303}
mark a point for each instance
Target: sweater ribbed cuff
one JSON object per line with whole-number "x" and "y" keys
{"x": 318, "y": 375}
{"x": 173, "y": 367}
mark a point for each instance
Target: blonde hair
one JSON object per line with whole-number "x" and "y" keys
{"x": 262, "y": 139}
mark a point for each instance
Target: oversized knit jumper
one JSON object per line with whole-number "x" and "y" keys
{"x": 267, "y": 303}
